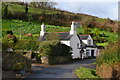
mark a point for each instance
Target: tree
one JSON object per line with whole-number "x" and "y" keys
{"x": 44, "y": 5}
{"x": 86, "y": 21}
{"x": 26, "y": 8}
{"x": 5, "y": 8}
{"x": 97, "y": 34}
{"x": 87, "y": 30}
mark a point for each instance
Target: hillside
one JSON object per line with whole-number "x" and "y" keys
{"x": 58, "y": 17}
{"x": 103, "y": 31}
{"x": 21, "y": 28}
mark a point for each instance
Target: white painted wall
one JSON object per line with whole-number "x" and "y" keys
{"x": 42, "y": 32}
{"x": 95, "y": 51}
{"x": 66, "y": 42}
{"x": 85, "y": 41}
{"x": 73, "y": 44}
{"x": 89, "y": 38}
{"x": 73, "y": 28}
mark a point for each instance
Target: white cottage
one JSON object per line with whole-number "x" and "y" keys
{"x": 90, "y": 49}
{"x": 82, "y": 45}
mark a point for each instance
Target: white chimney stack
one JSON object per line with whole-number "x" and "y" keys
{"x": 42, "y": 32}
{"x": 73, "y": 28}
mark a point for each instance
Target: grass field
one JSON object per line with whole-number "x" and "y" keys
{"x": 20, "y": 27}
{"x": 19, "y": 8}
{"x": 86, "y": 73}
{"x": 102, "y": 44}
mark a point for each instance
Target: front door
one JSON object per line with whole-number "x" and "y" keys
{"x": 92, "y": 53}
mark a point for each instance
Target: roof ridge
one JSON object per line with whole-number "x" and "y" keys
{"x": 56, "y": 32}
{"x": 85, "y": 35}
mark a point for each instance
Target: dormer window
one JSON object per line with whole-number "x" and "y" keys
{"x": 89, "y": 42}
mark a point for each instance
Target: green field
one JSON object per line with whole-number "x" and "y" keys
{"x": 14, "y": 8}
{"x": 86, "y": 73}
{"x": 20, "y": 27}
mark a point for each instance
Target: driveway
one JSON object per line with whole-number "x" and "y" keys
{"x": 60, "y": 71}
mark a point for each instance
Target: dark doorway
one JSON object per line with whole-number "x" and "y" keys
{"x": 92, "y": 53}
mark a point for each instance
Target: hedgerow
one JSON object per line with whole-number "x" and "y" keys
{"x": 110, "y": 54}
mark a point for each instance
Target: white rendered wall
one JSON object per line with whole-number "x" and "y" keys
{"x": 42, "y": 32}
{"x": 73, "y": 44}
{"x": 95, "y": 51}
{"x": 89, "y": 38}
{"x": 73, "y": 28}
{"x": 85, "y": 41}
{"x": 66, "y": 42}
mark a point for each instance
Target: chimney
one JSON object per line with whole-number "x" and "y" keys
{"x": 42, "y": 32}
{"x": 73, "y": 28}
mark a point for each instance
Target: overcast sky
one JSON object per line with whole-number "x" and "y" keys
{"x": 104, "y": 9}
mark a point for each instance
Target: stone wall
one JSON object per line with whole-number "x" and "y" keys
{"x": 56, "y": 60}
{"x": 109, "y": 71}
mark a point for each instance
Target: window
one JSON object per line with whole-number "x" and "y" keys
{"x": 87, "y": 52}
{"x": 89, "y": 42}
{"x": 77, "y": 45}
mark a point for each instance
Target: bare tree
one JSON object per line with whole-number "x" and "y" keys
{"x": 26, "y": 8}
{"x": 44, "y": 5}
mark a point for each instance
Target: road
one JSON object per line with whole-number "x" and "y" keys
{"x": 60, "y": 71}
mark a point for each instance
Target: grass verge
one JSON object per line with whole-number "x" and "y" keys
{"x": 86, "y": 73}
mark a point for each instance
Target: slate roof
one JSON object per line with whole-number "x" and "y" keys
{"x": 83, "y": 37}
{"x": 67, "y": 36}
{"x": 93, "y": 46}
{"x": 84, "y": 46}
{"x": 63, "y": 36}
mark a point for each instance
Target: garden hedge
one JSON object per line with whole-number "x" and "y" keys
{"x": 55, "y": 51}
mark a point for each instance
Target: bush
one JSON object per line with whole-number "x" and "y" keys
{"x": 110, "y": 54}
{"x": 9, "y": 32}
{"x": 15, "y": 61}
{"x": 28, "y": 45}
{"x": 7, "y": 43}
{"x": 21, "y": 44}
{"x": 54, "y": 49}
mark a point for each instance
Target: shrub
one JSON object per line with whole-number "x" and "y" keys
{"x": 9, "y": 32}
{"x": 110, "y": 54}
{"x": 54, "y": 49}
{"x": 21, "y": 44}
{"x": 15, "y": 61}
{"x": 7, "y": 43}
{"x": 27, "y": 45}
{"x": 18, "y": 66}
{"x": 9, "y": 36}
